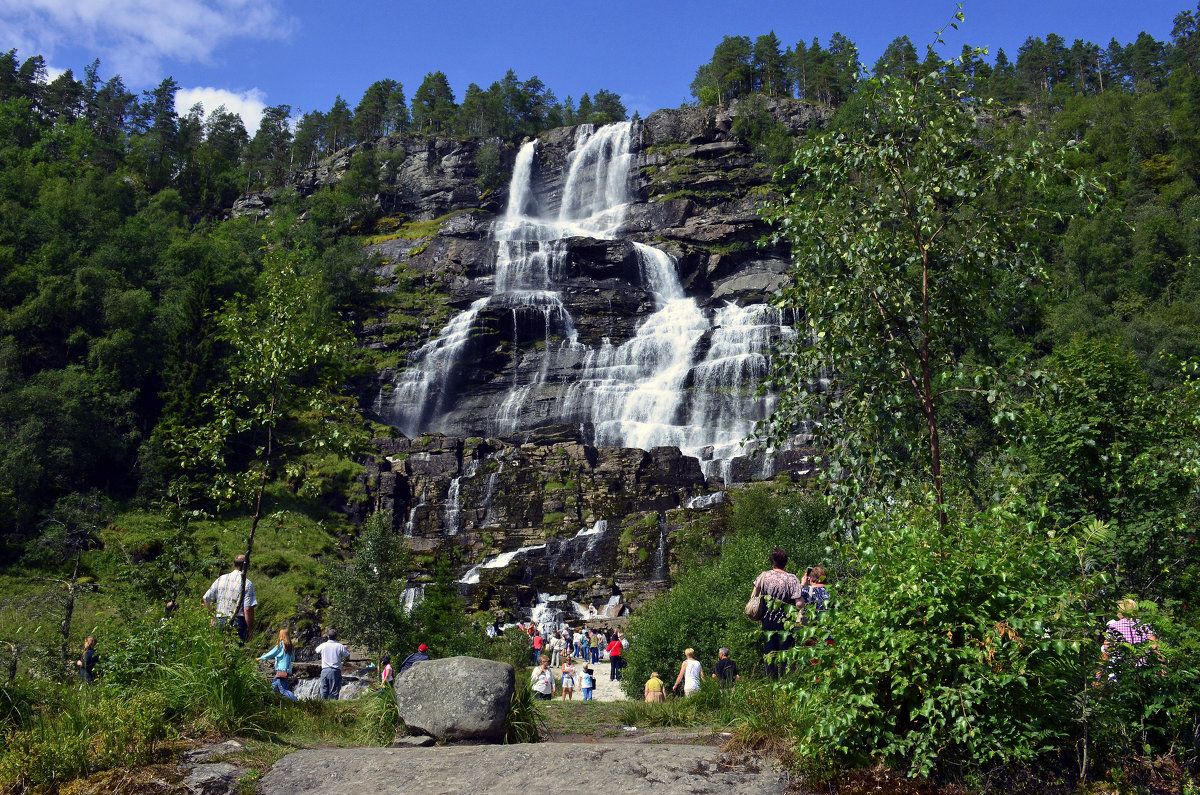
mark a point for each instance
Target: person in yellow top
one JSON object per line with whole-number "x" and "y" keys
{"x": 655, "y": 689}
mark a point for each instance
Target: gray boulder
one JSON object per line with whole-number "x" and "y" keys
{"x": 459, "y": 698}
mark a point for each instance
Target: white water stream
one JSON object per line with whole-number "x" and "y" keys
{"x": 687, "y": 378}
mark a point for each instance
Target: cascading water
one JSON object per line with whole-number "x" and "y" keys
{"x": 688, "y": 377}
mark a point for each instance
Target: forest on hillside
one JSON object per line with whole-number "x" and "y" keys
{"x": 173, "y": 376}
{"x": 114, "y": 249}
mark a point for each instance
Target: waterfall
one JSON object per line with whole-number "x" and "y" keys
{"x": 412, "y": 597}
{"x": 660, "y": 554}
{"x": 705, "y": 501}
{"x": 452, "y": 517}
{"x": 689, "y": 376}
{"x": 496, "y": 562}
{"x": 412, "y": 514}
{"x": 489, "y": 494}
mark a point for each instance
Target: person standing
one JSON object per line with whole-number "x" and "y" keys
{"x": 726, "y": 669}
{"x": 387, "y": 675}
{"x": 542, "y": 680}
{"x": 655, "y": 691}
{"x": 1126, "y": 629}
{"x": 784, "y": 589}
{"x": 588, "y": 682}
{"x": 594, "y": 645}
{"x": 690, "y": 673}
{"x": 568, "y": 678}
{"x": 557, "y": 644}
{"x": 221, "y": 599}
{"x": 419, "y": 656}
{"x": 615, "y": 661}
{"x": 88, "y": 660}
{"x": 284, "y": 655}
{"x": 537, "y": 642}
{"x": 332, "y": 655}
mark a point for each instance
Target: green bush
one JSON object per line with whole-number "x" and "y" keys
{"x": 1148, "y": 700}
{"x": 76, "y": 733}
{"x": 958, "y": 651}
{"x": 703, "y": 610}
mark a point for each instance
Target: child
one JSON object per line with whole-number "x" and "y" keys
{"x": 568, "y": 678}
{"x": 588, "y": 683}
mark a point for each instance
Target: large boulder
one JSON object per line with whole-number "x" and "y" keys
{"x": 459, "y": 698}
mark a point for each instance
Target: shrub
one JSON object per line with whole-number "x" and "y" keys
{"x": 207, "y": 680}
{"x": 78, "y": 733}
{"x": 526, "y": 718}
{"x": 958, "y": 651}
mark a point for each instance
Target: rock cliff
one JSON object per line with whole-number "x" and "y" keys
{"x": 500, "y": 319}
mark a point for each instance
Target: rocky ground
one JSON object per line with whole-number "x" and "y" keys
{"x": 628, "y": 759}
{"x": 628, "y": 768}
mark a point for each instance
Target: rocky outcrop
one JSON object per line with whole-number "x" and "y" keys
{"x": 457, "y": 698}
{"x": 545, "y": 510}
{"x": 628, "y": 768}
{"x": 423, "y": 177}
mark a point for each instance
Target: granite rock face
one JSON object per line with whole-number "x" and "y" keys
{"x": 545, "y": 510}
{"x": 457, "y": 698}
{"x": 628, "y": 768}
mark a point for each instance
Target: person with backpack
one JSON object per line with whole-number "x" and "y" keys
{"x": 816, "y": 597}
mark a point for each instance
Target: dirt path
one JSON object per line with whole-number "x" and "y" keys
{"x": 605, "y": 690}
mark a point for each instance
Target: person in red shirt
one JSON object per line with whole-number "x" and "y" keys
{"x": 615, "y": 662}
{"x": 537, "y": 647}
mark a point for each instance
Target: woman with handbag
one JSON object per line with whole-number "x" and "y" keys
{"x": 284, "y": 655}
{"x": 782, "y": 588}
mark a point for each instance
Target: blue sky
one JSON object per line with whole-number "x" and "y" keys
{"x": 251, "y": 53}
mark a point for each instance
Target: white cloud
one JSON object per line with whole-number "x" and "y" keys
{"x": 249, "y": 104}
{"x": 134, "y": 37}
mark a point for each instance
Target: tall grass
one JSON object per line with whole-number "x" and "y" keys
{"x": 158, "y": 681}
{"x": 526, "y": 720}
{"x": 758, "y": 714}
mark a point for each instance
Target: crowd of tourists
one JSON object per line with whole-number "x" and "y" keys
{"x": 563, "y": 657}
{"x": 560, "y": 648}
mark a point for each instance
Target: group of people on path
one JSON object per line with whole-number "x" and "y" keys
{"x": 584, "y": 644}
{"x": 561, "y": 648}
{"x": 691, "y": 674}
{"x": 545, "y": 684}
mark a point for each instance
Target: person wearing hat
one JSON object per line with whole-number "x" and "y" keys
{"x": 417, "y": 656}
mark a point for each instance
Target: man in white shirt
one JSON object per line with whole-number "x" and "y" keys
{"x": 332, "y": 655}
{"x": 221, "y": 598}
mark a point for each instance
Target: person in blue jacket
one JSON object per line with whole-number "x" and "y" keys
{"x": 284, "y": 655}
